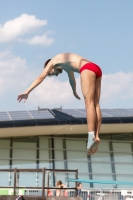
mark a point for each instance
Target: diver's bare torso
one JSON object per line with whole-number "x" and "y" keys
{"x": 69, "y": 62}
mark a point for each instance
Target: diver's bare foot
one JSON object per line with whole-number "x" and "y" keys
{"x": 94, "y": 147}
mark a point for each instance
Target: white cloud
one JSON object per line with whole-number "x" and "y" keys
{"x": 15, "y": 77}
{"x": 13, "y": 73}
{"x": 117, "y": 87}
{"x": 41, "y": 40}
{"x": 14, "y": 29}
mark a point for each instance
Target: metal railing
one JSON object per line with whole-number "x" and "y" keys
{"x": 109, "y": 194}
{"x": 43, "y": 187}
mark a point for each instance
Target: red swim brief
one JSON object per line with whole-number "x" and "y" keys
{"x": 92, "y": 67}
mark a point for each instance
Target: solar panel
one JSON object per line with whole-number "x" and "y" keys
{"x": 104, "y": 114}
{"x": 4, "y": 116}
{"x": 82, "y": 110}
{"x": 26, "y": 115}
{"x": 41, "y": 114}
{"x": 130, "y": 111}
{"x": 19, "y": 115}
{"x": 117, "y": 112}
{"x": 81, "y": 113}
{"x": 75, "y": 112}
{"x": 124, "y": 112}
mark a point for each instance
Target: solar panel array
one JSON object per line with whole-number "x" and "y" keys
{"x": 26, "y": 115}
{"x": 81, "y": 113}
{"x": 46, "y": 114}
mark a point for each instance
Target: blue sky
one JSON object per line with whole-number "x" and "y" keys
{"x": 33, "y": 31}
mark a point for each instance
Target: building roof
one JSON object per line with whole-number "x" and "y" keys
{"x": 61, "y": 117}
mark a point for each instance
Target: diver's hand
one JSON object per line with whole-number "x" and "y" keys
{"x": 22, "y": 96}
{"x": 76, "y": 95}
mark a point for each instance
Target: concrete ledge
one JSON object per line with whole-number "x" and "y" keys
{"x": 10, "y": 197}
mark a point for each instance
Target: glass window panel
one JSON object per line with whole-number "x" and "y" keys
{"x": 105, "y": 157}
{"x": 122, "y": 147}
{"x": 27, "y": 150}
{"x": 47, "y": 164}
{"x": 103, "y": 146}
{"x": 27, "y": 179}
{"x": 77, "y": 156}
{"x": 25, "y": 164}
{"x": 44, "y": 156}
{"x": 4, "y": 180}
{"x": 59, "y": 161}
{"x": 78, "y": 165}
{"x": 58, "y": 143}
{"x": 4, "y": 154}
{"x": 4, "y": 162}
{"x": 24, "y": 156}
{"x": 122, "y": 157}
{"x": 5, "y": 143}
{"x": 77, "y": 159}
{"x": 123, "y": 168}
{"x": 59, "y": 155}
{"x": 24, "y": 145}
{"x": 101, "y": 164}
{"x": 43, "y": 142}
{"x": 125, "y": 178}
{"x": 24, "y": 151}
{"x": 79, "y": 152}
{"x": 44, "y": 152}
{"x": 76, "y": 145}
{"x": 101, "y": 168}
{"x": 59, "y": 164}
